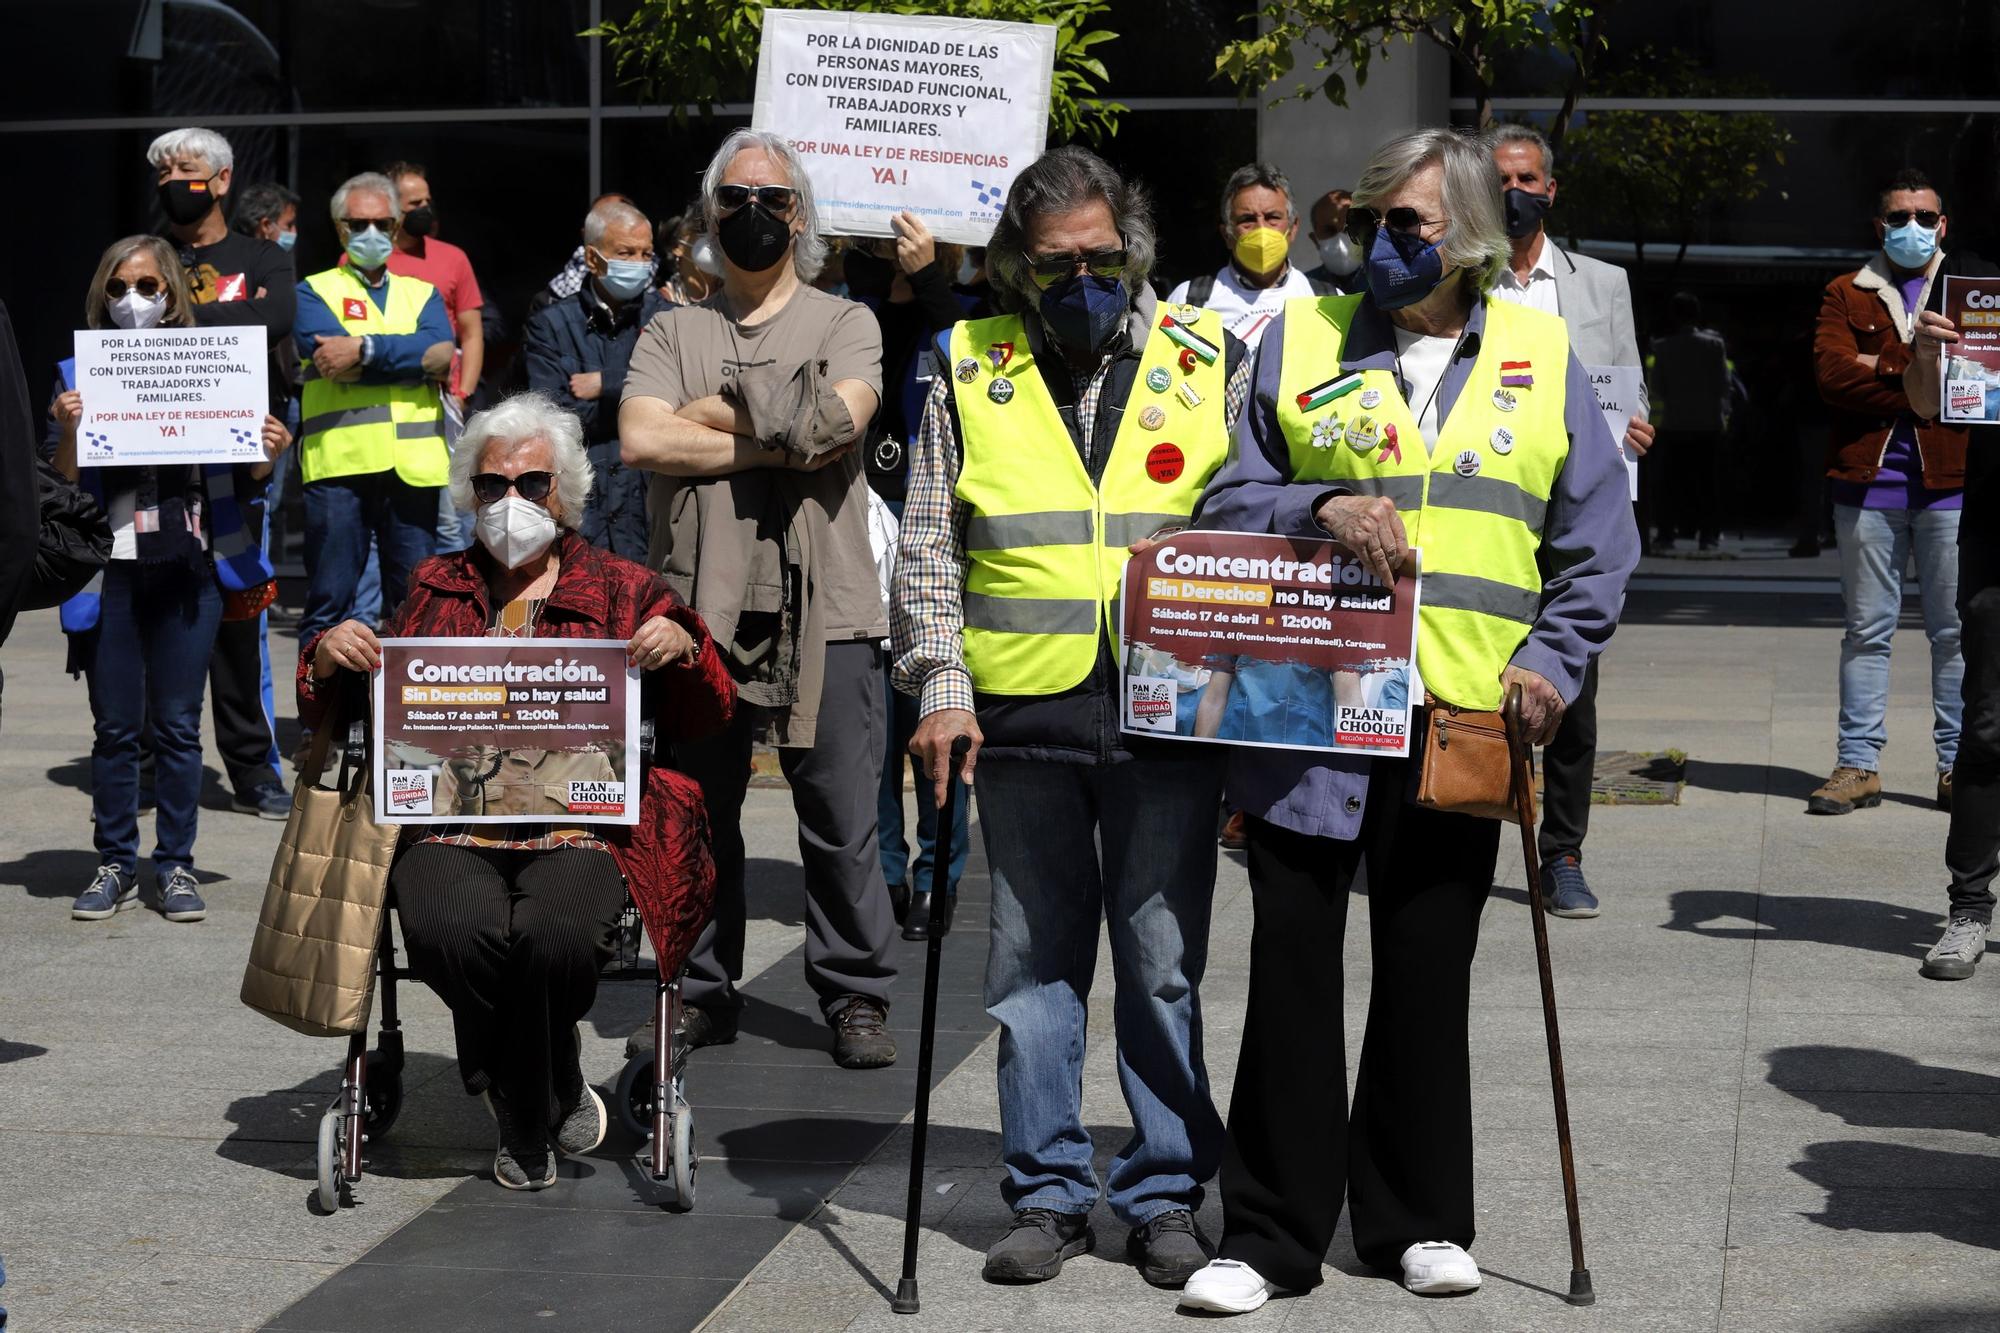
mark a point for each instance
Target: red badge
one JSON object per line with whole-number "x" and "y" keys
{"x": 232, "y": 287}
{"x": 353, "y": 307}
{"x": 1187, "y": 359}
{"x": 1165, "y": 462}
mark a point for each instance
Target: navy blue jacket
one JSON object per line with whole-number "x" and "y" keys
{"x": 580, "y": 334}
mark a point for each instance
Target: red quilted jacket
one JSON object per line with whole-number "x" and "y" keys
{"x": 665, "y": 856}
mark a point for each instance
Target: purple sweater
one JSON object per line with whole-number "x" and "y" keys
{"x": 1590, "y": 545}
{"x": 1900, "y": 483}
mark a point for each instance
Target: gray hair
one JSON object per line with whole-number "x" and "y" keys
{"x": 1256, "y": 173}
{"x": 808, "y": 247}
{"x": 515, "y": 421}
{"x": 608, "y": 214}
{"x": 1511, "y": 132}
{"x": 193, "y": 141}
{"x": 368, "y": 182}
{"x": 1475, "y": 236}
{"x": 1063, "y": 180}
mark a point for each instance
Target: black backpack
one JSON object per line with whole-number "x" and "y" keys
{"x": 1202, "y": 287}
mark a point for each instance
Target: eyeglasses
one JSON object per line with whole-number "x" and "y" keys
{"x": 1925, "y": 217}
{"x": 1364, "y": 221}
{"x": 148, "y": 287}
{"x": 775, "y": 198}
{"x": 355, "y": 226}
{"x": 1049, "y": 270}
{"x": 489, "y": 487}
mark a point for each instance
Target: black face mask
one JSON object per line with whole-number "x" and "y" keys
{"x": 186, "y": 202}
{"x": 753, "y": 237}
{"x": 420, "y": 221}
{"x": 1525, "y": 212}
{"x": 869, "y": 276}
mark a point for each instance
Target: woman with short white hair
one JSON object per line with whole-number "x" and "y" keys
{"x": 512, "y": 930}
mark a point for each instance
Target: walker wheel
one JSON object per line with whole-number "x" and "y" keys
{"x": 633, "y": 1097}
{"x": 329, "y": 1159}
{"x": 685, "y": 1158}
{"x": 382, "y": 1099}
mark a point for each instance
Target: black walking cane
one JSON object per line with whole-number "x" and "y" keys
{"x": 1580, "y": 1292}
{"x": 905, "y": 1301}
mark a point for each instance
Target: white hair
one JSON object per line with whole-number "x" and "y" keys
{"x": 1475, "y": 236}
{"x": 193, "y": 141}
{"x": 368, "y": 182}
{"x": 515, "y": 421}
{"x": 809, "y": 247}
{"x": 608, "y": 214}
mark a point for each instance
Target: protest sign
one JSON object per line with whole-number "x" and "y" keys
{"x": 1972, "y": 364}
{"x": 1280, "y": 642}
{"x": 506, "y": 731}
{"x": 906, "y": 111}
{"x": 1618, "y": 398}
{"x": 153, "y": 396}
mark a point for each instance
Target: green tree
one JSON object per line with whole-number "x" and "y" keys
{"x": 702, "y": 53}
{"x": 1657, "y": 176}
{"x": 1350, "y": 34}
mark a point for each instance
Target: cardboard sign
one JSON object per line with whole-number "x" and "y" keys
{"x": 1971, "y": 379}
{"x": 164, "y": 396}
{"x": 1617, "y": 389}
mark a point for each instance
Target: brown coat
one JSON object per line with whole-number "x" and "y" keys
{"x": 1862, "y": 314}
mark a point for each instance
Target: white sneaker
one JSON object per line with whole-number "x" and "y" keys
{"x": 1226, "y": 1287}
{"x": 1437, "y": 1267}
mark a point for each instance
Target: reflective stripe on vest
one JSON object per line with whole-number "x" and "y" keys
{"x": 1046, "y": 546}
{"x": 352, "y": 429}
{"x": 1475, "y": 503}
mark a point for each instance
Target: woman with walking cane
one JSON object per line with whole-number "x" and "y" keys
{"x": 1420, "y": 415}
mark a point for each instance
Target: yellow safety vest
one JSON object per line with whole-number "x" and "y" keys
{"x": 1475, "y": 503}
{"x": 1046, "y": 546}
{"x": 351, "y": 430}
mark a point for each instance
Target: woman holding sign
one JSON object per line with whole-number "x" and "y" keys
{"x": 512, "y": 929}
{"x": 142, "y": 632}
{"x": 1424, "y": 414}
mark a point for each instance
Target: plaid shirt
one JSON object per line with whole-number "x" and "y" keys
{"x": 927, "y": 614}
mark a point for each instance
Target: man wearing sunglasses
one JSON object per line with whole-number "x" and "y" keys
{"x": 1897, "y": 477}
{"x": 372, "y": 453}
{"x": 748, "y": 406}
{"x": 1060, "y": 435}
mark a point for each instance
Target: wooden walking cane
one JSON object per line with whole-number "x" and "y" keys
{"x": 1580, "y": 1292}
{"x": 905, "y": 1301}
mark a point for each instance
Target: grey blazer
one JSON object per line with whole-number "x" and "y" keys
{"x": 1596, "y": 302}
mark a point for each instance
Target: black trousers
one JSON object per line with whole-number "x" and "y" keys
{"x": 1402, "y": 1158}
{"x": 1569, "y": 762}
{"x": 1972, "y": 848}
{"x": 512, "y": 942}
{"x": 236, "y": 697}
{"x": 1689, "y": 459}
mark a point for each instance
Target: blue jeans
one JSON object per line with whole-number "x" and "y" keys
{"x": 897, "y": 867}
{"x": 342, "y": 513}
{"x": 150, "y": 658}
{"x": 1151, "y": 882}
{"x": 1875, "y": 547}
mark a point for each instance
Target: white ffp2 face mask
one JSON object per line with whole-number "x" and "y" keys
{"x": 515, "y": 531}
{"x": 133, "y": 311}
{"x": 1340, "y": 254}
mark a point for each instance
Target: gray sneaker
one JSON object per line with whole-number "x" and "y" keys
{"x": 179, "y": 899}
{"x": 1037, "y": 1243}
{"x": 581, "y": 1119}
{"x": 523, "y": 1160}
{"x": 111, "y": 891}
{"x": 1953, "y": 957}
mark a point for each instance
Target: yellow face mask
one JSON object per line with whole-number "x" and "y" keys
{"x": 1261, "y": 249}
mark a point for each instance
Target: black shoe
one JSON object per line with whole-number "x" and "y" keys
{"x": 917, "y": 925}
{"x": 899, "y": 902}
{"x": 698, "y": 1027}
{"x": 1037, "y": 1243}
{"x": 860, "y": 1039}
{"x": 1170, "y": 1249}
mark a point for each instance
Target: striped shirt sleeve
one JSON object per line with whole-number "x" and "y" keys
{"x": 926, "y": 604}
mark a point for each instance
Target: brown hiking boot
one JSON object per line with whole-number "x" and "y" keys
{"x": 1848, "y": 790}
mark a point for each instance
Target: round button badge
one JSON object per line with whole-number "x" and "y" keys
{"x": 1153, "y": 417}
{"x": 967, "y": 370}
{"x": 1503, "y": 441}
{"x": 1158, "y": 380}
{"x": 1000, "y": 391}
{"x": 1165, "y": 463}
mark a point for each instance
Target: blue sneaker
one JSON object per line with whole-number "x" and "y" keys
{"x": 1565, "y": 892}
{"x": 109, "y": 893}
{"x": 179, "y": 900}
{"x": 266, "y": 800}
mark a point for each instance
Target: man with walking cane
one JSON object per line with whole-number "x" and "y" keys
{"x": 1088, "y": 419}
{"x": 1482, "y": 444}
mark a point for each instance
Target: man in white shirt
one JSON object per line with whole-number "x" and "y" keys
{"x": 1259, "y": 220}
{"x": 1595, "y": 300}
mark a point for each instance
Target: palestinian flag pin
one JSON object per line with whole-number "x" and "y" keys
{"x": 1205, "y": 350}
{"x": 1338, "y": 387}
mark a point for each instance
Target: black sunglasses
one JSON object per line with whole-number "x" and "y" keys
{"x": 148, "y": 287}
{"x": 1049, "y": 270}
{"x": 355, "y": 226}
{"x": 1364, "y": 221}
{"x": 776, "y": 198}
{"x": 489, "y": 487}
{"x": 1925, "y": 217}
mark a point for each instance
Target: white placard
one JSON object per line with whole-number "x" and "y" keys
{"x": 893, "y": 111}
{"x": 153, "y": 396}
{"x": 1617, "y": 389}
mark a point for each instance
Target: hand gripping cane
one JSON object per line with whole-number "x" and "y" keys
{"x": 1580, "y": 1292}
{"x": 905, "y": 1301}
